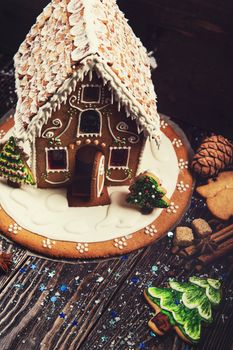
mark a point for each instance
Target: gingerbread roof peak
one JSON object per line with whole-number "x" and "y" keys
{"x": 70, "y": 38}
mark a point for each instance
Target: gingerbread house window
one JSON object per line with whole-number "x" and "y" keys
{"x": 91, "y": 94}
{"x": 119, "y": 157}
{"x": 90, "y": 123}
{"x": 57, "y": 159}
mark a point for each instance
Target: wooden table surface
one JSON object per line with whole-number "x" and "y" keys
{"x": 99, "y": 304}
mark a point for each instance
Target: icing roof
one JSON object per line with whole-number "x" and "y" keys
{"x": 69, "y": 38}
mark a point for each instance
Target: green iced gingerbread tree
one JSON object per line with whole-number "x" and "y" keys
{"x": 12, "y": 165}
{"x": 147, "y": 194}
{"x": 184, "y": 306}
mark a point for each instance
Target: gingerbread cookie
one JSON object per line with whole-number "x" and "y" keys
{"x": 219, "y": 194}
{"x": 183, "y": 306}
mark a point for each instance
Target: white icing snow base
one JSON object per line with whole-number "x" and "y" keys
{"x": 46, "y": 212}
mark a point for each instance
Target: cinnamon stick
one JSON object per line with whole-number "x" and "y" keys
{"x": 222, "y": 250}
{"x": 222, "y": 234}
{"x": 216, "y": 237}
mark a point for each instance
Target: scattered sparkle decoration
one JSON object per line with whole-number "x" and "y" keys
{"x": 42, "y": 287}
{"x": 183, "y": 164}
{"x": 62, "y": 315}
{"x": 52, "y": 274}
{"x": 154, "y": 268}
{"x": 120, "y": 243}
{"x": 99, "y": 279}
{"x": 177, "y": 142}
{"x": 47, "y": 243}
{"x": 150, "y": 230}
{"x": 181, "y": 187}
{"x": 135, "y": 280}
{"x": 14, "y": 228}
{"x": 170, "y": 234}
{"x": 63, "y": 288}
{"x": 82, "y": 247}
{"x": 22, "y": 270}
{"x": 172, "y": 209}
{"x": 53, "y": 299}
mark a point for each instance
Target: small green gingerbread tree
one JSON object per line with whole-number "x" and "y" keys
{"x": 184, "y": 306}
{"x": 147, "y": 194}
{"x": 13, "y": 167}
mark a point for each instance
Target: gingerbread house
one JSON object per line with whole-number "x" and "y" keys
{"x": 86, "y": 101}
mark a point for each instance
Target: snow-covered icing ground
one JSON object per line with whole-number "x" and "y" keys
{"x": 46, "y": 212}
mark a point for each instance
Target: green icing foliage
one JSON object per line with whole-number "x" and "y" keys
{"x": 147, "y": 193}
{"x": 12, "y": 166}
{"x": 214, "y": 283}
{"x": 187, "y": 304}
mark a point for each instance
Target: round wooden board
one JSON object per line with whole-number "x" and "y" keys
{"x": 164, "y": 223}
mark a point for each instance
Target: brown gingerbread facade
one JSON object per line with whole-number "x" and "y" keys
{"x": 89, "y": 134}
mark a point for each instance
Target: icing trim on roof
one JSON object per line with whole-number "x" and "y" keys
{"x": 150, "y": 126}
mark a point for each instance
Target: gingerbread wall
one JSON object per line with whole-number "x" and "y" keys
{"x": 117, "y": 132}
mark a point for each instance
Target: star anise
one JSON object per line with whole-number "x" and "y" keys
{"x": 5, "y": 261}
{"x": 206, "y": 245}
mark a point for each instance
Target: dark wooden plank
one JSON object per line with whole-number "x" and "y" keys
{"x": 129, "y": 330}
{"x": 19, "y": 257}
{"x": 32, "y": 320}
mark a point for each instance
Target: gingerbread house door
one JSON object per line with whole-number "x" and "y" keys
{"x": 88, "y": 187}
{"x": 98, "y": 175}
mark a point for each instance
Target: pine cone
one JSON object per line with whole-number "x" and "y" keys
{"x": 214, "y": 154}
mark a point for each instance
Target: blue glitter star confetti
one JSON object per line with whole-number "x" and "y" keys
{"x": 42, "y": 287}
{"x": 53, "y": 299}
{"x": 63, "y": 288}
{"x": 62, "y": 315}
{"x": 33, "y": 267}
{"x": 74, "y": 323}
{"x": 52, "y": 274}
{"x": 124, "y": 257}
{"x": 142, "y": 346}
{"x": 177, "y": 302}
{"x": 22, "y": 270}
{"x": 114, "y": 314}
{"x": 104, "y": 338}
{"x": 135, "y": 280}
{"x": 152, "y": 334}
{"x": 154, "y": 268}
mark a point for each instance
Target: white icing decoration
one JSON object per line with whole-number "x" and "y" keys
{"x": 107, "y": 222}
{"x": 150, "y": 230}
{"x": 57, "y": 182}
{"x": 47, "y": 243}
{"x": 49, "y": 132}
{"x": 121, "y": 243}
{"x": 160, "y": 153}
{"x": 14, "y": 228}
{"x": 123, "y": 127}
{"x": 58, "y": 202}
{"x": 181, "y": 187}
{"x": 183, "y": 164}
{"x": 177, "y": 142}
{"x": 172, "y": 209}
{"x": 82, "y": 247}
